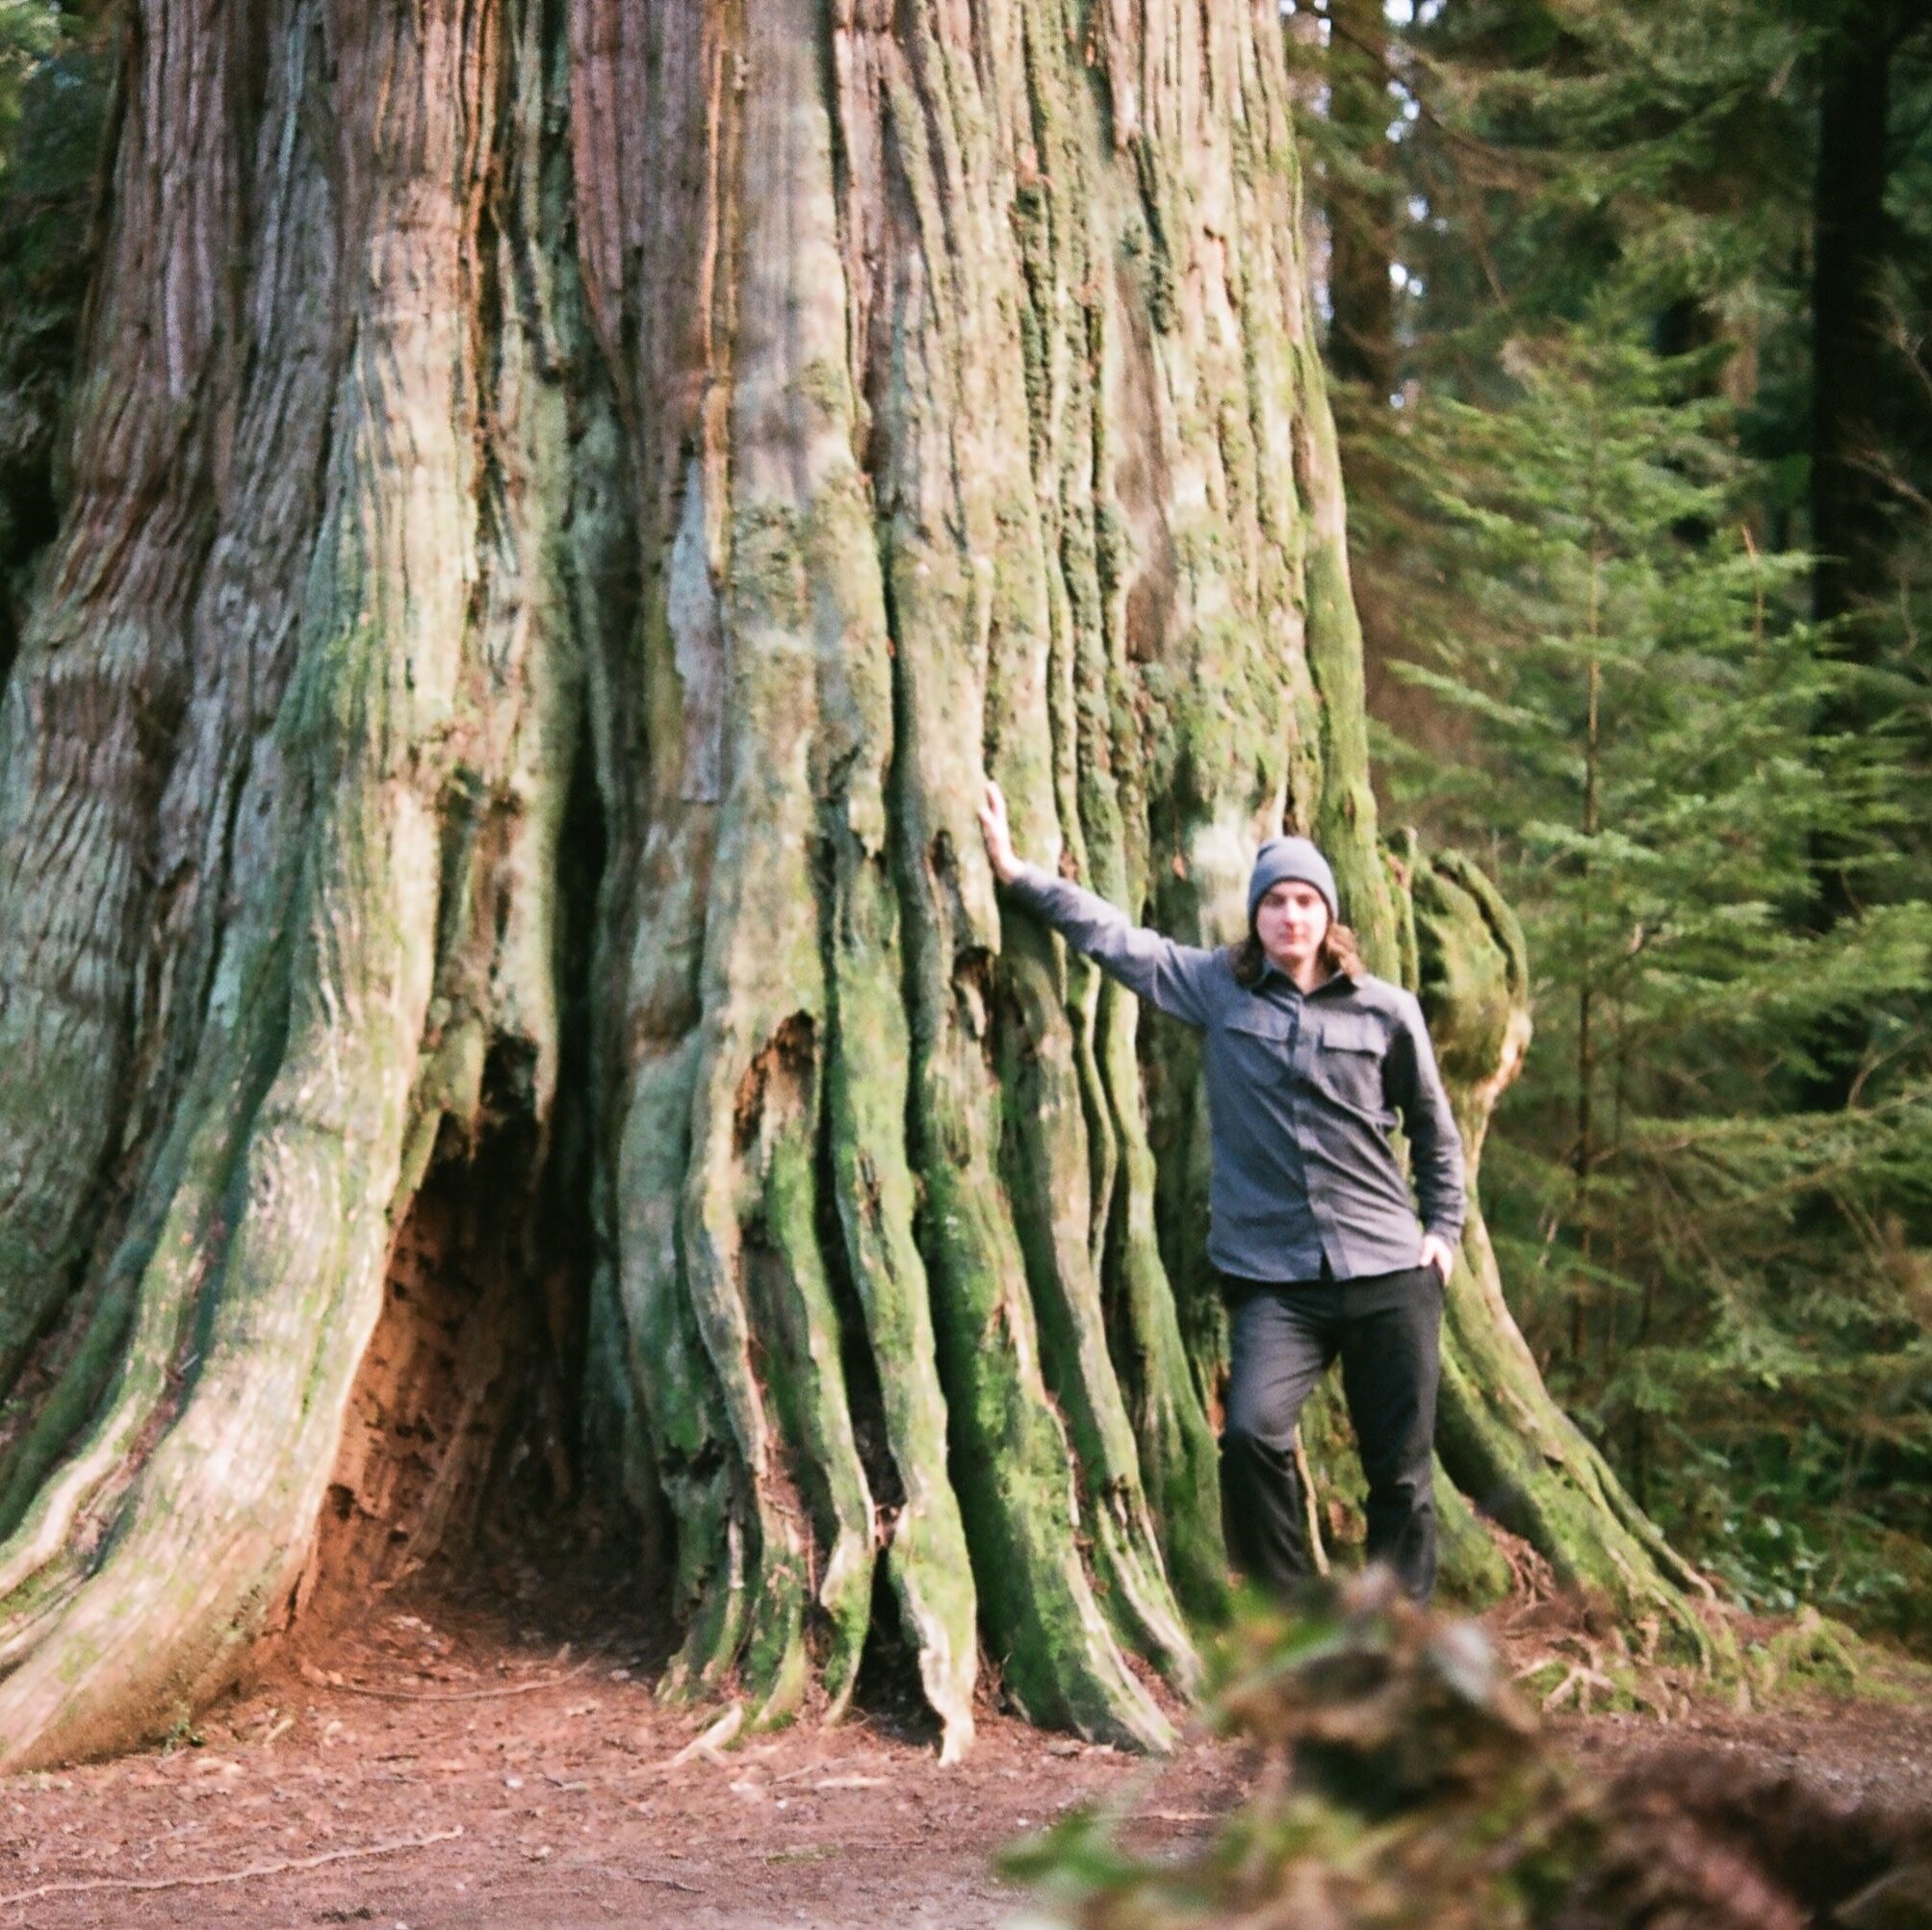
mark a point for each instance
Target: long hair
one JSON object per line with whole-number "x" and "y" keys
{"x": 1339, "y": 953}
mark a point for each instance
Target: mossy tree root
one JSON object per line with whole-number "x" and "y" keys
{"x": 1502, "y": 1439}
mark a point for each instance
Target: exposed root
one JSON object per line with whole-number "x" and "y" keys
{"x": 710, "y": 1742}
{"x": 1310, "y": 1506}
{"x": 74, "y": 1887}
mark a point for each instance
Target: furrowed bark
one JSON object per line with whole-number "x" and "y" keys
{"x": 1207, "y": 547}
{"x": 766, "y": 1309}
{"x": 867, "y": 1044}
{"x": 967, "y": 588}
{"x": 410, "y": 623}
{"x": 867, "y": 1056}
{"x": 221, "y": 886}
{"x": 652, "y": 211}
{"x": 800, "y": 994}
{"x": 1069, "y": 209}
{"x": 95, "y": 696}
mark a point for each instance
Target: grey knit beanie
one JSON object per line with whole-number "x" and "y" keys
{"x": 1290, "y": 857}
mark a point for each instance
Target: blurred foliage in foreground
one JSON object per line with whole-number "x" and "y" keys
{"x": 1402, "y": 1785}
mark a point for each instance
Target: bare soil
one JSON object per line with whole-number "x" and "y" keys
{"x": 445, "y": 1760}
{"x": 430, "y": 1762}
{"x": 1852, "y": 1751}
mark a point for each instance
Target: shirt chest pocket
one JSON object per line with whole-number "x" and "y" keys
{"x": 1260, "y": 1039}
{"x": 1345, "y": 1060}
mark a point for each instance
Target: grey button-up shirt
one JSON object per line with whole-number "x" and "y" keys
{"x": 1303, "y": 1094}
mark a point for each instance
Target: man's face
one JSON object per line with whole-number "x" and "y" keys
{"x": 1291, "y": 921}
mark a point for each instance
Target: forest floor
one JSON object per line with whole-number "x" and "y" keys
{"x": 451, "y": 1760}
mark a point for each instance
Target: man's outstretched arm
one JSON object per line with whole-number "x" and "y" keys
{"x": 1170, "y": 977}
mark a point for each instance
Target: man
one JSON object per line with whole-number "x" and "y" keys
{"x": 1309, "y": 1064}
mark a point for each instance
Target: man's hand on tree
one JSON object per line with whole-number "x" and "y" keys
{"x": 998, "y": 834}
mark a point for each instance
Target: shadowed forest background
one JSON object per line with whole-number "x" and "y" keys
{"x": 1625, "y": 312}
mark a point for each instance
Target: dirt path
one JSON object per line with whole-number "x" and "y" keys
{"x": 1852, "y": 1751}
{"x": 501, "y": 1779}
{"x": 498, "y": 1783}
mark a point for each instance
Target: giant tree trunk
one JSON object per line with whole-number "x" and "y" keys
{"x": 569, "y": 501}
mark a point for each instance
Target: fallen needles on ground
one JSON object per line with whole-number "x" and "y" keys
{"x": 73, "y": 1886}
{"x": 464, "y": 1694}
{"x": 662, "y": 1882}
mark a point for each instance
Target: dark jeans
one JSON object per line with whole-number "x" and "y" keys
{"x": 1386, "y": 1328}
